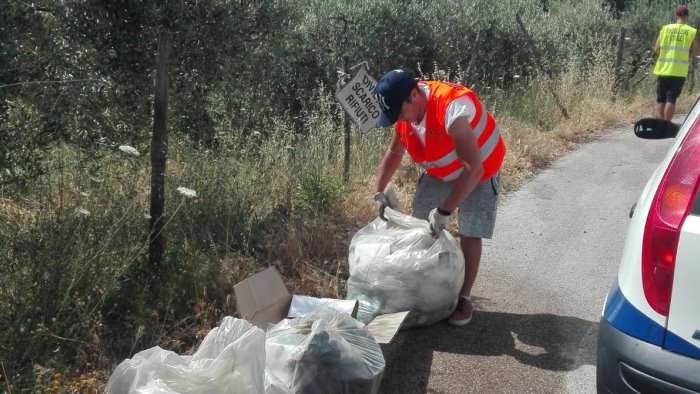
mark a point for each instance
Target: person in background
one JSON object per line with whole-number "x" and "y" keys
{"x": 445, "y": 129}
{"x": 676, "y": 49}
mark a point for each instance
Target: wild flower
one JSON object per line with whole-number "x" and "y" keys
{"x": 129, "y": 150}
{"x": 189, "y": 193}
{"x": 82, "y": 211}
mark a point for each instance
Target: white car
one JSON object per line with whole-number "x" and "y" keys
{"x": 649, "y": 336}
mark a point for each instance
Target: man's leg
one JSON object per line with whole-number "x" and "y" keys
{"x": 477, "y": 218}
{"x": 661, "y": 91}
{"x": 669, "y": 110}
{"x": 675, "y": 87}
{"x": 471, "y": 248}
{"x": 662, "y": 110}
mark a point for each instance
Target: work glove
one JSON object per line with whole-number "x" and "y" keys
{"x": 438, "y": 222}
{"x": 382, "y": 203}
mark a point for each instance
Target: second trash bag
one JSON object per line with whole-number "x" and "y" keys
{"x": 397, "y": 265}
{"x": 326, "y": 351}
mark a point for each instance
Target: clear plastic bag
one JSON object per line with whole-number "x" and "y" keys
{"x": 323, "y": 352}
{"x": 398, "y": 266}
{"x": 231, "y": 359}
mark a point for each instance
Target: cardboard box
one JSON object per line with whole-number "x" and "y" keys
{"x": 263, "y": 299}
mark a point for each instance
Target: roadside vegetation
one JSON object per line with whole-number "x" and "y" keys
{"x": 255, "y": 149}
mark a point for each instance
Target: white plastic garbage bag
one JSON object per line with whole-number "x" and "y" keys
{"x": 398, "y": 266}
{"x": 324, "y": 352}
{"x": 231, "y": 359}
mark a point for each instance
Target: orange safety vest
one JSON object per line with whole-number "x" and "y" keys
{"x": 438, "y": 155}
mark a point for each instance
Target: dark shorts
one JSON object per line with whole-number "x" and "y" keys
{"x": 668, "y": 89}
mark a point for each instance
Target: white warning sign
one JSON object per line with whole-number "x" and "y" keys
{"x": 358, "y": 100}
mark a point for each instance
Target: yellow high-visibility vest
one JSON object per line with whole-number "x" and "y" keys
{"x": 674, "y": 52}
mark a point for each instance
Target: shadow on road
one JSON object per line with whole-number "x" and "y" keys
{"x": 543, "y": 341}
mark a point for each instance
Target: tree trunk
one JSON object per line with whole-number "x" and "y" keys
{"x": 346, "y": 130}
{"x": 159, "y": 146}
{"x": 618, "y": 63}
{"x": 535, "y": 56}
{"x": 474, "y": 53}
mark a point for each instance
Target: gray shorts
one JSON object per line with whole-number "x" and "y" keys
{"x": 476, "y": 215}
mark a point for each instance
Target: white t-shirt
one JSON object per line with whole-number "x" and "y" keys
{"x": 461, "y": 106}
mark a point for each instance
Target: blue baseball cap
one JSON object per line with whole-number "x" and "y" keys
{"x": 392, "y": 90}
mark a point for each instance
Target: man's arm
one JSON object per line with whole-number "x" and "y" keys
{"x": 468, "y": 152}
{"x": 390, "y": 163}
{"x": 657, "y": 46}
{"x": 693, "y": 50}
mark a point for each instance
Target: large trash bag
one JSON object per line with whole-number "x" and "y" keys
{"x": 231, "y": 359}
{"x": 397, "y": 265}
{"x": 323, "y": 352}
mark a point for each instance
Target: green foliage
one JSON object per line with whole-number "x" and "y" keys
{"x": 82, "y": 71}
{"x": 317, "y": 192}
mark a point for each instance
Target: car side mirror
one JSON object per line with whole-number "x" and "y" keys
{"x": 655, "y": 129}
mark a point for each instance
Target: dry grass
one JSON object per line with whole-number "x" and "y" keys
{"x": 11, "y": 211}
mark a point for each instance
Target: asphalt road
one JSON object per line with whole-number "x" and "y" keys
{"x": 542, "y": 281}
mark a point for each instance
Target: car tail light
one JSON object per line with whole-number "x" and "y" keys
{"x": 670, "y": 207}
